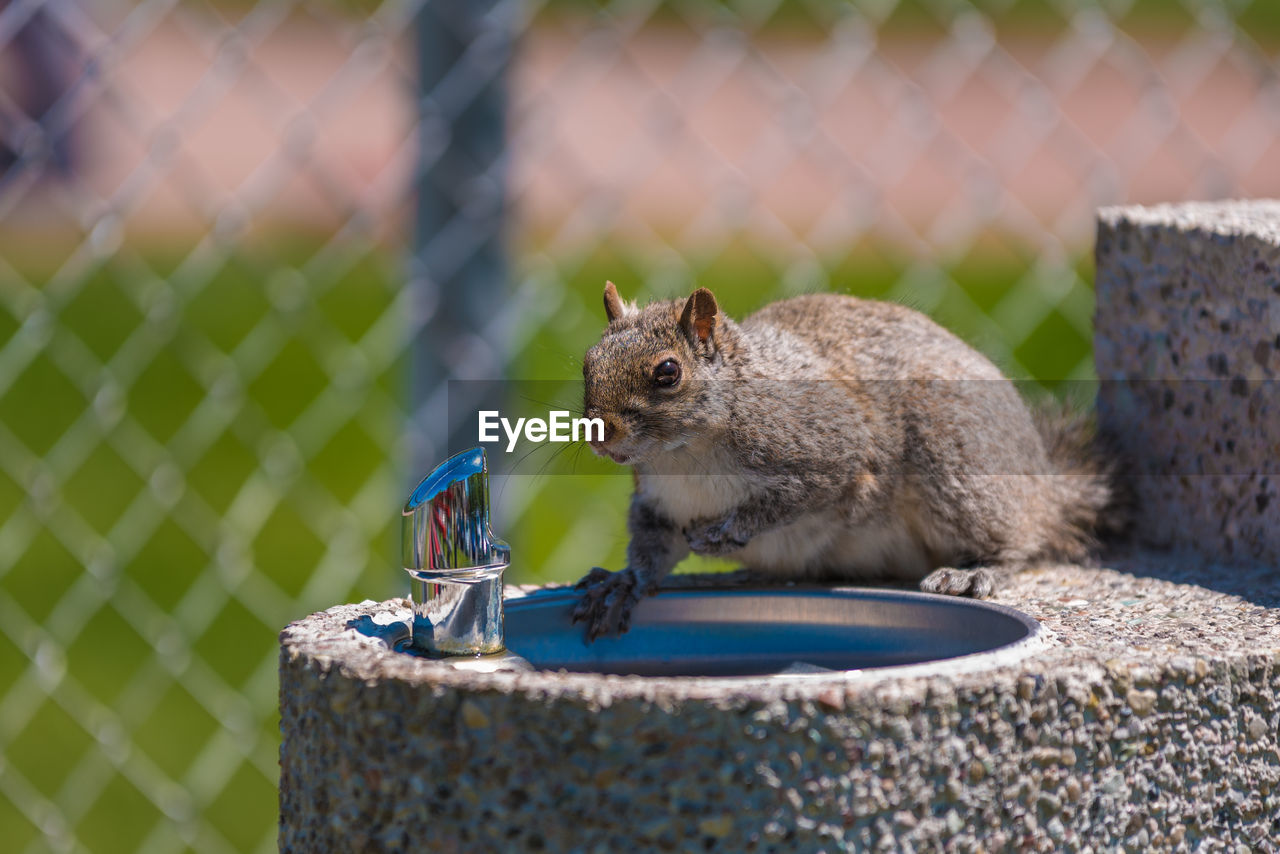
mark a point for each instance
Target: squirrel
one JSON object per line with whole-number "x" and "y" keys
{"x": 829, "y": 437}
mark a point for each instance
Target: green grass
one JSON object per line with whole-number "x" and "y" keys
{"x": 192, "y": 492}
{"x": 233, "y": 485}
{"x": 1260, "y": 17}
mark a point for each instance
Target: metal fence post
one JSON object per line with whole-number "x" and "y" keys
{"x": 458, "y": 269}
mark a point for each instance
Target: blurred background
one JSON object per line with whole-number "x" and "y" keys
{"x": 250, "y": 252}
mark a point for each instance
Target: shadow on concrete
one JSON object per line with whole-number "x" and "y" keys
{"x": 1252, "y": 581}
{"x": 390, "y": 633}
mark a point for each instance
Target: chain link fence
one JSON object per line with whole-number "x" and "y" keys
{"x": 228, "y": 316}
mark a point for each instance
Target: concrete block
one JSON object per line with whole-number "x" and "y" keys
{"x": 1150, "y": 724}
{"x": 1187, "y": 347}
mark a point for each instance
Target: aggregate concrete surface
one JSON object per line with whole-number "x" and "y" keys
{"x": 1187, "y": 345}
{"x": 1148, "y": 721}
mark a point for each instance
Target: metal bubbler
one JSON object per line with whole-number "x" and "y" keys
{"x": 454, "y": 561}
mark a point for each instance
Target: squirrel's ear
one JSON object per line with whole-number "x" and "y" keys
{"x": 699, "y": 317}
{"x": 613, "y": 306}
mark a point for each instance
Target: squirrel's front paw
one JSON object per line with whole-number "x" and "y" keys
{"x": 714, "y": 538}
{"x": 976, "y": 583}
{"x": 607, "y": 601}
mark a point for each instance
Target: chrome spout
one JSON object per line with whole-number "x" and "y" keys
{"x": 454, "y": 562}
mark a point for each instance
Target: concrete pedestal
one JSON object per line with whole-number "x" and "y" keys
{"x": 1150, "y": 722}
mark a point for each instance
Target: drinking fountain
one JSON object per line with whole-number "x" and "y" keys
{"x": 1138, "y": 710}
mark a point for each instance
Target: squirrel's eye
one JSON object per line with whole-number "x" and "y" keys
{"x": 667, "y": 372}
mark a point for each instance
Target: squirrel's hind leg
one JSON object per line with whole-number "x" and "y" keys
{"x": 977, "y": 582}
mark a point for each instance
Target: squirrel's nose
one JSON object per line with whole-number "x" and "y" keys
{"x": 610, "y": 429}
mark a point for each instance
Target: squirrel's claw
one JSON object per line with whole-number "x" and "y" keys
{"x": 714, "y": 539}
{"x": 592, "y": 578}
{"x": 607, "y": 601}
{"x": 975, "y": 583}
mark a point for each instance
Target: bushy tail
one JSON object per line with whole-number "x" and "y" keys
{"x": 1093, "y": 494}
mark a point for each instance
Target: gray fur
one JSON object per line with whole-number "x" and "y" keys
{"x": 829, "y": 437}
